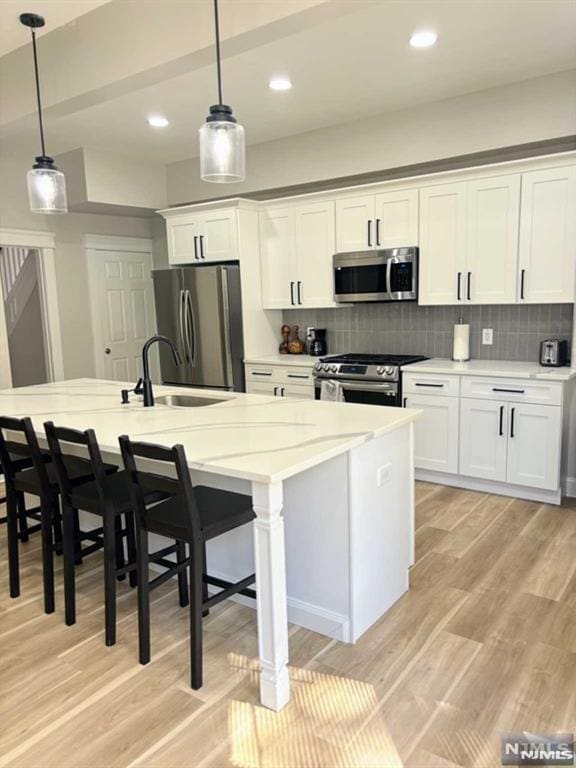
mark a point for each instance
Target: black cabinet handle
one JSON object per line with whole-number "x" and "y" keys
{"x": 282, "y": 392}
{"x": 522, "y": 275}
{"x": 258, "y": 373}
{"x": 512, "y": 422}
{"x": 404, "y": 401}
{"x": 377, "y": 231}
{"x": 298, "y": 376}
{"x": 195, "y": 246}
{"x": 299, "y": 291}
{"x": 501, "y": 427}
{"x": 275, "y": 391}
{"x": 436, "y": 386}
{"x": 292, "y": 294}
{"x": 459, "y": 286}
{"x": 369, "y": 233}
{"x": 468, "y": 288}
{"x": 512, "y": 391}
{"x": 202, "y": 256}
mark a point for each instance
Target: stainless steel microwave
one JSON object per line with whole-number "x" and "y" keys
{"x": 385, "y": 275}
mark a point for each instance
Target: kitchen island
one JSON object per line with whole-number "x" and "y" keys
{"x": 332, "y": 487}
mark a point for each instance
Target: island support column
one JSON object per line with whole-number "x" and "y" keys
{"x": 271, "y": 594}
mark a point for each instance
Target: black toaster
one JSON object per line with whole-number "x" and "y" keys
{"x": 554, "y": 352}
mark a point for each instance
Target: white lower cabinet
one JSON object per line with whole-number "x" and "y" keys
{"x": 436, "y": 432}
{"x": 511, "y": 442}
{"x": 534, "y": 445}
{"x": 280, "y": 381}
{"x": 483, "y": 439}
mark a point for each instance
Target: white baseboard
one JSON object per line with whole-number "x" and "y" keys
{"x": 489, "y": 486}
{"x": 570, "y": 486}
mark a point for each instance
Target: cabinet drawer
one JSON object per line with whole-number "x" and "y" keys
{"x": 513, "y": 390}
{"x": 261, "y": 373}
{"x": 295, "y": 375}
{"x": 429, "y": 384}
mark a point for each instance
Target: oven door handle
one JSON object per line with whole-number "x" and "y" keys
{"x": 368, "y": 386}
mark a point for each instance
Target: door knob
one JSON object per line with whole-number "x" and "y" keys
{"x": 107, "y": 350}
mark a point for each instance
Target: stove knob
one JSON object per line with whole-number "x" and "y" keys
{"x": 326, "y": 368}
{"x": 380, "y": 370}
{"x": 334, "y": 368}
{"x": 389, "y": 371}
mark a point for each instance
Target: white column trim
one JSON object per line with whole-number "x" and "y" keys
{"x": 271, "y": 595}
{"x": 45, "y": 243}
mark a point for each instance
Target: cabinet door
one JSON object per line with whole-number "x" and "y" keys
{"x": 263, "y": 388}
{"x": 442, "y": 244}
{"x": 277, "y": 259}
{"x": 299, "y": 391}
{"x": 183, "y": 233}
{"x": 355, "y": 227}
{"x": 435, "y": 432}
{"x": 315, "y": 248}
{"x": 548, "y": 236}
{"x": 534, "y": 446}
{"x": 483, "y": 439}
{"x": 397, "y": 219}
{"x": 219, "y": 236}
{"x": 492, "y": 240}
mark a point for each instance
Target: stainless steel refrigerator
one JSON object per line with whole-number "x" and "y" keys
{"x": 200, "y": 309}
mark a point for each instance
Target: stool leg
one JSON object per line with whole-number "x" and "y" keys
{"x": 109, "y": 576}
{"x": 131, "y": 547}
{"x": 182, "y": 576}
{"x": 205, "y": 594}
{"x": 77, "y": 539}
{"x": 57, "y": 522}
{"x": 142, "y": 561}
{"x": 196, "y": 618}
{"x": 120, "y": 561}
{"x": 68, "y": 546}
{"x": 13, "y": 556}
{"x": 22, "y": 519}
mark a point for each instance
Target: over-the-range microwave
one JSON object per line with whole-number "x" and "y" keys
{"x": 389, "y": 274}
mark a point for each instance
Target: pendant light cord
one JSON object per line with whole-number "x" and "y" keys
{"x": 38, "y": 92}
{"x": 218, "y": 65}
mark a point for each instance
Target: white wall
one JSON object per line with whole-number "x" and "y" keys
{"x": 533, "y": 110}
{"x": 71, "y": 271}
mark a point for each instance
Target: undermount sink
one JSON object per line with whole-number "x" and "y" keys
{"x": 189, "y": 401}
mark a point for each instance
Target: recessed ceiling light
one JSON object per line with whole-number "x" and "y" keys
{"x": 158, "y": 121}
{"x": 423, "y": 39}
{"x": 280, "y": 84}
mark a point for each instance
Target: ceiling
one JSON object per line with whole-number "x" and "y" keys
{"x": 56, "y": 12}
{"x": 349, "y": 67}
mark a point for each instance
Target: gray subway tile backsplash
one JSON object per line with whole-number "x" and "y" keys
{"x": 405, "y": 327}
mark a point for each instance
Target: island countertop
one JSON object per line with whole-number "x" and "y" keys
{"x": 252, "y": 437}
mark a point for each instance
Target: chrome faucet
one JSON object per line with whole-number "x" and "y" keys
{"x": 146, "y": 383}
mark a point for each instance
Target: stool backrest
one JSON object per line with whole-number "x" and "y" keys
{"x": 58, "y": 435}
{"x": 141, "y": 480}
{"x": 29, "y": 449}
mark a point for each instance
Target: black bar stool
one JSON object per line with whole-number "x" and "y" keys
{"x": 38, "y": 480}
{"x": 18, "y": 463}
{"x": 192, "y": 515}
{"x": 106, "y": 495}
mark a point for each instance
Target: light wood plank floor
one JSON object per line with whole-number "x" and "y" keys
{"x": 484, "y": 642}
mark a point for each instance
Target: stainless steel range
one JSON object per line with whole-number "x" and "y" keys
{"x": 369, "y": 379}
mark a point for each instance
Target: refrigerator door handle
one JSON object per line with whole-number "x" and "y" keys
{"x": 190, "y": 329}
{"x": 226, "y": 320}
{"x": 182, "y": 335}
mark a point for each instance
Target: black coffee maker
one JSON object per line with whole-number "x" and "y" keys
{"x": 317, "y": 346}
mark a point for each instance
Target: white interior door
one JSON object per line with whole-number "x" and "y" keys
{"x": 123, "y": 313}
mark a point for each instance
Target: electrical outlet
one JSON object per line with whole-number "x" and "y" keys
{"x": 487, "y": 336}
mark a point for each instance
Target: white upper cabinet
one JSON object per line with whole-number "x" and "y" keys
{"x": 388, "y": 220}
{"x": 548, "y": 236}
{"x": 277, "y": 258}
{"x": 492, "y": 240}
{"x": 297, "y": 247}
{"x": 397, "y": 219}
{"x": 443, "y": 243}
{"x": 355, "y": 224}
{"x": 204, "y": 236}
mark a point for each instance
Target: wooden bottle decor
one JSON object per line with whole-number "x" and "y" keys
{"x": 285, "y": 343}
{"x": 296, "y": 346}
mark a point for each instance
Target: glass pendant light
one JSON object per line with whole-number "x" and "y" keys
{"x": 46, "y": 184}
{"x": 222, "y": 139}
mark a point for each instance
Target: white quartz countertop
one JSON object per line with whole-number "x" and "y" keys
{"x": 285, "y": 360}
{"x": 254, "y": 437}
{"x": 508, "y": 368}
